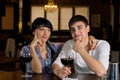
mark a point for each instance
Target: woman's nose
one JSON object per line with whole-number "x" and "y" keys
{"x": 46, "y": 32}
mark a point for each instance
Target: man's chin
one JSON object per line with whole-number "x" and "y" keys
{"x": 77, "y": 39}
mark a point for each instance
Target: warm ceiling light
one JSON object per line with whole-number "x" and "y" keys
{"x": 50, "y": 6}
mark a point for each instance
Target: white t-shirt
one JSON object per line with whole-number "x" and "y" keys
{"x": 100, "y": 53}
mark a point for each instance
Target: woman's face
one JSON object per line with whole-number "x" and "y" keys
{"x": 79, "y": 30}
{"x": 43, "y": 33}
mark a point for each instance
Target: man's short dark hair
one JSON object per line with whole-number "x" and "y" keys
{"x": 77, "y": 18}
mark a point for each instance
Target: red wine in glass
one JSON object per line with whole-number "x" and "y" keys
{"x": 67, "y": 61}
{"x": 25, "y": 55}
{"x": 26, "y": 59}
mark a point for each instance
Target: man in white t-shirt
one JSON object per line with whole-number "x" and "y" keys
{"x": 88, "y": 57}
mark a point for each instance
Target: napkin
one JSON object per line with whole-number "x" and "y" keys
{"x": 69, "y": 79}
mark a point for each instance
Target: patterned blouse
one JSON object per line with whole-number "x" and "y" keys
{"x": 53, "y": 51}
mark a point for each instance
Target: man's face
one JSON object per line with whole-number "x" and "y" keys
{"x": 79, "y": 30}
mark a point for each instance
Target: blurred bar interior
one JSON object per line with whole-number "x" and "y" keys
{"x": 16, "y": 17}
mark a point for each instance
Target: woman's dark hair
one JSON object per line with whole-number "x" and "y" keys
{"x": 41, "y": 22}
{"x": 77, "y": 18}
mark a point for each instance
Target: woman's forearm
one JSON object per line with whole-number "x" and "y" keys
{"x": 36, "y": 64}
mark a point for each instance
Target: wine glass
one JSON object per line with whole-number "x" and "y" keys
{"x": 25, "y": 57}
{"x": 67, "y": 61}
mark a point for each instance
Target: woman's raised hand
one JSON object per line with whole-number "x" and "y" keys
{"x": 92, "y": 42}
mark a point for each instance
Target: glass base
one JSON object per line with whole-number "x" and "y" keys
{"x": 26, "y": 75}
{"x": 69, "y": 79}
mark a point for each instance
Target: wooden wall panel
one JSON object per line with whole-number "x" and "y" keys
{"x": 8, "y": 20}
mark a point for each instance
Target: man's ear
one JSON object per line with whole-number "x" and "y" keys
{"x": 88, "y": 28}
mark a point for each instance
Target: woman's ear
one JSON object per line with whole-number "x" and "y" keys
{"x": 33, "y": 32}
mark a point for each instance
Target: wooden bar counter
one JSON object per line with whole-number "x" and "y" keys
{"x": 17, "y": 75}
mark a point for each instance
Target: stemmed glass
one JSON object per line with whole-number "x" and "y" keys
{"x": 67, "y": 61}
{"x": 25, "y": 57}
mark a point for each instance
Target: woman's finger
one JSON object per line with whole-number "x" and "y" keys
{"x": 92, "y": 42}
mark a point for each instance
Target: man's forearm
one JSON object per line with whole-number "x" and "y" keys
{"x": 56, "y": 69}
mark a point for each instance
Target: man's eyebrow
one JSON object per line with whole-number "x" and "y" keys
{"x": 79, "y": 25}
{"x": 71, "y": 27}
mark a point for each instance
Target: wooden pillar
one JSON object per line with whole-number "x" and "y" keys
{"x": 116, "y": 26}
{"x": 2, "y": 11}
{"x": 26, "y": 16}
{"x": 16, "y": 17}
{"x": 2, "y": 7}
